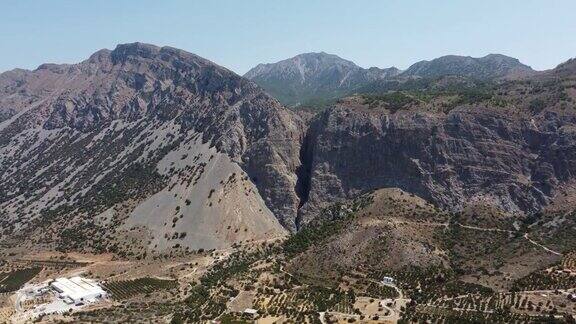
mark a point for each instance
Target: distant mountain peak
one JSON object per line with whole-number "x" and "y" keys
{"x": 490, "y": 66}
{"x": 314, "y": 76}
{"x": 310, "y": 61}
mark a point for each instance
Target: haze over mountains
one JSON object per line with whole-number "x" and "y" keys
{"x": 173, "y": 152}
{"x": 488, "y": 67}
{"x": 312, "y": 78}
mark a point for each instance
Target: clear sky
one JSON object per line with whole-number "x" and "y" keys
{"x": 239, "y": 34}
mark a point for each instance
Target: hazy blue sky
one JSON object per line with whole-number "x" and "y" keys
{"x": 238, "y": 34}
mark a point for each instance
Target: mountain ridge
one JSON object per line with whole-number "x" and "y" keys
{"x": 487, "y": 67}
{"x": 319, "y": 78}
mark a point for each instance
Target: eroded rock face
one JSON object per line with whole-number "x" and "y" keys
{"x": 502, "y": 157}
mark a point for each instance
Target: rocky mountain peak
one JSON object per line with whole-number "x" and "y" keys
{"x": 302, "y": 67}
{"x": 323, "y": 60}
{"x": 143, "y": 52}
{"x": 129, "y": 82}
{"x": 135, "y": 49}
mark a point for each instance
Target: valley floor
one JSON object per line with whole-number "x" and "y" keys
{"x": 265, "y": 285}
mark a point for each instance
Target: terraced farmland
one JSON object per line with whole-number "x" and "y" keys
{"x": 545, "y": 279}
{"x": 14, "y": 280}
{"x": 305, "y": 302}
{"x": 125, "y": 289}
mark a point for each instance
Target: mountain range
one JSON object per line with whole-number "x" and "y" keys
{"x": 152, "y": 150}
{"x": 313, "y": 78}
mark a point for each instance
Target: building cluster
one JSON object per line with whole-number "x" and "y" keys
{"x": 78, "y": 290}
{"x": 56, "y": 297}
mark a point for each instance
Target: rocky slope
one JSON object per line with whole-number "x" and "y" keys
{"x": 151, "y": 142}
{"x": 391, "y": 232}
{"x": 314, "y": 76}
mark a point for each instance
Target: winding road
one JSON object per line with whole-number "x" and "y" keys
{"x": 487, "y": 229}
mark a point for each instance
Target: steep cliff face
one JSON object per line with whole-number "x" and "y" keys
{"x": 206, "y": 151}
{"x": 515, "y": 150}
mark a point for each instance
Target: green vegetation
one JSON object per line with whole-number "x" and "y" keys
{"x": 426, "y": 284}
{"x": 230, "y": 319}
{"x": 545, "y": 280}
{"x": 134, "y": 179}
{"x": 316, "y": 105}
{"x": 495, "y": 308}
{"x": 393, "y": 101}
{"x": 561, "y": 238}
{"x": 132, "y": 312}
{"x": 200, "y": 305}
{"x": 14, "y": 280}
{"x": 430, "y": 314}
{"x": 207, "y": 299}
{"x": 331, "y": 222}
{"x": 309, "y": 236}
{"x": 380, "y": 291}
{"x": 128, "y": 288}
{"x": 236, "y": 264}
{"x": 303, "y": 303}
{"x": 537, "y": 105}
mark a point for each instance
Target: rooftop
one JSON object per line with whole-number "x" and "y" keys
{"x": 78, "y": 288}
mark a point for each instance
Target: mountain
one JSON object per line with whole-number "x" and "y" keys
{"x": 566, "y": 69}
{"x": 143, "y": 149}
{"x": 488, "y": 67}
{"x": 314, "y": 76}
{"x": 320, "y": 78}
{"x": 194, "y": 195}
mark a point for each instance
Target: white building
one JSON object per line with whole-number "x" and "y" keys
{"x": 77, "y": 290}
{"x": 250, "y": 312}
{"x": 388, "y": 281}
